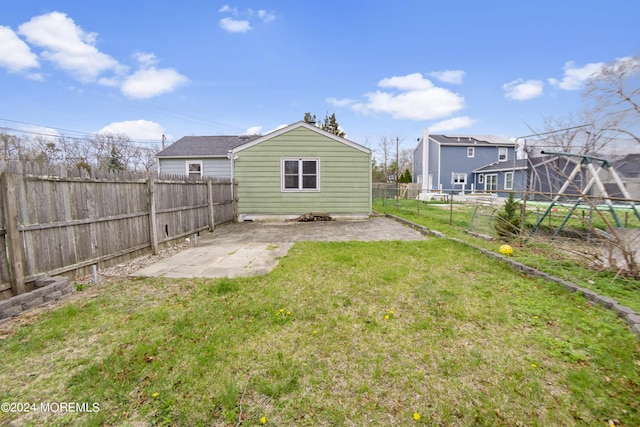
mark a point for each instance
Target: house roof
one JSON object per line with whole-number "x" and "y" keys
{"x": 220, "y": 146}
{"x": 629, "y": 165}
{"x": 472, "y": 140}
{"x": 205, "y": 146}
{"x": 520, "y": 164}
{"x": 306, "y": 125}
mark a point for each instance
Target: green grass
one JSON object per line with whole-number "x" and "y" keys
{"x": 467, "y": 341}
{"x": 544, "y": 254}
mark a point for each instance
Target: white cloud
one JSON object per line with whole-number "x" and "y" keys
{"x": 137, "y": 130}
{"x": 413, "y": 81}
{"x": 454, "y": 77}
{"x": 276, "y": 128}
{"x": 145, "y": 59}
{"x": 415, "y": 98}
{"x": 235, "y": 25}
{"x": 521, "y": 90}
{"x": 150, "y": 82}
{"x": 241, "y": 23}
{"x": 227, "y": 8}
{"x": 15, "y": 54}
{"x": 68, "y": 46}
{"x": 253, "y": 130}
{"x": 575, "y": 77}
{"x": 340, "y": 102}
{"x": 452, "y": 124}
{"x": 266, "y": 16}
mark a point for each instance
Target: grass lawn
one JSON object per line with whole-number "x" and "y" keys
{"x": 557, "y": 257}
{"x": 338, "y": 334}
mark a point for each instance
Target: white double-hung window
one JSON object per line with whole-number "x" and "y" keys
{"x": 194, "y": 169}
{"x": 300, "y": 174}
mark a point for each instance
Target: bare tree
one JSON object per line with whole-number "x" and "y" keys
{"x": 613, "y": 97}
{"x": 612, "y": 111}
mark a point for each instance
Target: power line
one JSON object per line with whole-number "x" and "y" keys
{"x": 62, "y": 133}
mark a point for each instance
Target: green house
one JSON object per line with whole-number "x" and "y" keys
{"x": 281, "y": 175}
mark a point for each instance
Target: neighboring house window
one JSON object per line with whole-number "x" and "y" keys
{"x": 508, "y": 180}
{"x": 491, "y": 182}
{"x": 480, "y": 179}
{"x": 300, "y": 175}
{"x": 194, "y": 169}
{"x": 471, "y": 151}
{"x": 459, "y": 178}
{"x": 503, "y": 154}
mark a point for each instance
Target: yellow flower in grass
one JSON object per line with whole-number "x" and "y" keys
{"x": 282, "y": 310}
{"x": 156, "y": 394}
{"x": 533, "y": 365}
{"x": 416, "y": 416}
{"x": 263, "y": 420}
{"x": 386, "y": 317}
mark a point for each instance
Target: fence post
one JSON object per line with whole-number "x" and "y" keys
{"x": 212, "y": 223}
{"x": 153, "y": 227}
{"x": 234, "y": 197}
{"x": 14, "y": 244}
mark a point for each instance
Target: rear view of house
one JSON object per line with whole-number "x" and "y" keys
{"x": 286, "y": 173}
{"x": 457, "y": 162}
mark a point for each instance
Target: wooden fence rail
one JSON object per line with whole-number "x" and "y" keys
{"x": 56, "y": 222}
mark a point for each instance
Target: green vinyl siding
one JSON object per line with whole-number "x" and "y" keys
{"x": 344, "y": 176}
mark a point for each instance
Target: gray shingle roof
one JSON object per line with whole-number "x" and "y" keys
{"x": 205, "y": 145}
{"x": 467, "y": 140}
{"x": 504, "y": 166}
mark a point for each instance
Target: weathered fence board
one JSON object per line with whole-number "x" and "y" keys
{"x": 60, "y": 221}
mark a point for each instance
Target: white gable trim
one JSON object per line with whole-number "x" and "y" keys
{"x": 296, "y": 126}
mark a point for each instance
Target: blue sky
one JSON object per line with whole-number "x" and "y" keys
{"x": 153, "y": 67}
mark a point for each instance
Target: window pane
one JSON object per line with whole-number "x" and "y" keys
{"x": 309, "y": 167}
{"x": 291, "y": 181}
{"x": 291, "y": 167}
{"x": 194, "y": 167}
{"x": 309, "y": 181}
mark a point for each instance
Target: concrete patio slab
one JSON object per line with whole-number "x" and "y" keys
{"x": 250, "y": 248}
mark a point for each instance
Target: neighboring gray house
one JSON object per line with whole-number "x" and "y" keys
{"x": 201, "y": 155}
{"x": 445, "y": 162}
{"x": 502, "y": 176}
{"x": 291, "y": 171}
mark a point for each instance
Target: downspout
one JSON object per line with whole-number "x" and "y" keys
{"x": 231, "y": 156}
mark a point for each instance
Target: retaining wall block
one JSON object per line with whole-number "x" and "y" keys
{"x": 36, "y": 301}
{"x": 53, "y": 296}
{"x": 8, "y": 312}
{"x": 624, "y": 311}
{"x": 606, "y": 301}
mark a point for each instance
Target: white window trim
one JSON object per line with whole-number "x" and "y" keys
{"x": 492, "y": 175}
{"x": 455, "y": 175}
{"x": 471, "y": 152}
{"x": 506, "y": 154}
{"x": 300, "y": 190}
{"x": 505, "y": 181}
{"x": 193, "y": 162}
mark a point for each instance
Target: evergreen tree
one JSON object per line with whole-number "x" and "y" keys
{"x": 308, "y": 118}
{"x": 114, "y": 163}
{"x": 507, "y": 222}
{"x": 330, "y": 123}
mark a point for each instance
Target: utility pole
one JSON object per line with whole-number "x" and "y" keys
{"x": 397, "y": 170}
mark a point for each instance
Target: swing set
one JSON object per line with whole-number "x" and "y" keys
{"x": 587, "y": 163}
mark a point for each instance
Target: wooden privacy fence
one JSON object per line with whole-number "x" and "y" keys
{"x": 60, "y": 222}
